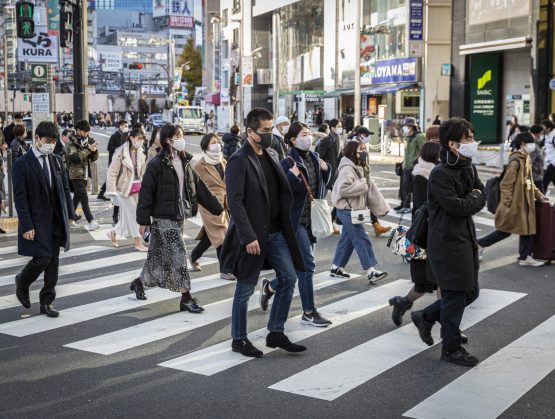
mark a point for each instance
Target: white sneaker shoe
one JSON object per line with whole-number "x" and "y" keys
{"x": 93, "y": 225}
{"x": 530, "y": 261}
{"x": 73, "y": 224}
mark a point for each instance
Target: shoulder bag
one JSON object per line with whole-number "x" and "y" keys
{"x": 359, "y": 216}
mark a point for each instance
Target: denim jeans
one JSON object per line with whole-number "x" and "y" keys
{"x": 280, "y": 258}
{"x": 353, "y": 236}
{"x": 306, "y": 287}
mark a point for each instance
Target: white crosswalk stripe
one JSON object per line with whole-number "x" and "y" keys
{"x": 346, "y": 371}
{"x": 79, "y": 251}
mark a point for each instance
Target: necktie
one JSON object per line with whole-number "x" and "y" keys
{"x": 45, "y": 172}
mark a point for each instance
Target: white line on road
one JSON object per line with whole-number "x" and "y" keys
{"x": 78, "y": 251}
{"x": 489, "y": 389}
{"x": 175, "y": 324}
{"x": 217, "y": 358}
{"x": 348, "y": 370}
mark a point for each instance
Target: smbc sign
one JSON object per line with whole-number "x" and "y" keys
{"x": 485, "y": 96}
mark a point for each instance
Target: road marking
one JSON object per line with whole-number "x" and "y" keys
{"x": 348, "y": 370}
{"x": 489, "y": 389}
{"x": 78, "y": 251}
{"x": 78, "y": 267}
{"x": 74, "y": 288}
{"x": 387, "y": 172}
{"x": 78, "y": 314}
{"x": 384, "y": 178}
{"x": 219, "y": 357}
{"x": 175, "y": 324}
{"x": 8, "y": 250}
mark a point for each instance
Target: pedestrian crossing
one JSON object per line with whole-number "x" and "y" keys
{"x": 513, "y": 370}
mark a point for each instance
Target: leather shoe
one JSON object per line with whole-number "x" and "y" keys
{"x": 49, "y": 310}
{"x": 21, "y": 294}
{"x": 460, "y": 357}
{"x": 279, "y": 340}
{"x": 424, "y": 327}
{"x": 246, "y": 348}
{"x": 192, "y": 306}
{"x": 137, "y": 286}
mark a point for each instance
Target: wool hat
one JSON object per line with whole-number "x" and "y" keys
{"x": 281, "y": 120}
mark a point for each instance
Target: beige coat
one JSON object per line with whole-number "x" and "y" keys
{"x": 516, "y": 213}
{"x": 215, "y": 226}
{"x": 120, "y": 184}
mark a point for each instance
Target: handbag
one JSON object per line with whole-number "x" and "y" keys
{"x": 360, "y": 216}
{"x": 321, "y": 223}
{"x": 398, "y": 169}
{"x": 418, "y": 231}
{"x": 402, "y": 246}
{"x": 135, "y": 187}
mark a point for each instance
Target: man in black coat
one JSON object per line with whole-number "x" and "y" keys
{"x": 329, "y": 149}
{"x": 44, "y": 205}
{"x": 260, "y": 200}
{"x": 455, "y": 194}
{"x": 8, "y": 131}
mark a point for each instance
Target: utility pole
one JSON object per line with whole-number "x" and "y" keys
{"x": 80, "y": 60}
{"x": 6, "y": 99}
{"x": 52, "y": 91}
{"x": 276, "y": 25}
{"x": 358, "y": 28}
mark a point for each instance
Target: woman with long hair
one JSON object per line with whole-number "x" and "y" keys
{"x": 124, "y": 179}
{"x": 171, "y": 192}
{"x": 211, "y": 169}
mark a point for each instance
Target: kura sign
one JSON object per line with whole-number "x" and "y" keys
{"x": 41, "y": 48}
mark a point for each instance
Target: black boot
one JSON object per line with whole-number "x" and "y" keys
{"x": 279, "y": 340}
{"x": 424, "y": 327}
{"x": 115, "y": 215}
{"x": 400, "y": 306}
{"x": 137, "y": 286}
{"x": 191, "y": 305}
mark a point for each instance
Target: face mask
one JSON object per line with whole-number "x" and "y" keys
{"x": 179, "y": 145}
{"x": 364, "y": 139}
{"x": 339, "y": 131}
{"x": 468, "y": 150}
{"x": 125, "y": 130}
{"x": 265, "y": 139}
{"x": 304, "y": 143}
{"x": 46, "y": 149}
{"x": 215, "y": 148}
{"x": 406, "y": 131}
{"x": 285, "y": 129}
{"x": 137, "y": 144}
{"x": 362, "y": 157}
{"x": 530, "y": 147}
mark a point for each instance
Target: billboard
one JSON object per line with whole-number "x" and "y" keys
{"x": 111, "y": 61}
{"x": 486, "y": 11}
{"x": 41, "y": 48}
{"x": 172, "y": 8}
{"x": 53, "y": 7}
{"x": 396, "y": 70}
{"x": 181, "y": 22}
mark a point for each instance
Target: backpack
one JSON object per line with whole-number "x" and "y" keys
{"x": 493, "y": 189}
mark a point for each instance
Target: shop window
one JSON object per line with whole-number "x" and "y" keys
{"x": 407, "y": 102}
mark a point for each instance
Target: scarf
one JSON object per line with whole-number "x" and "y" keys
{"x": 422, "y": 168}
{"x": 211, "y": 159}
{"x": 275, "y": 131}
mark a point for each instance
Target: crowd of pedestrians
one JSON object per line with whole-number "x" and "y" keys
{"x": 255, "y": 196}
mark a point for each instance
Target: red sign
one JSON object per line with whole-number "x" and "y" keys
{"x": 182, "y": 22}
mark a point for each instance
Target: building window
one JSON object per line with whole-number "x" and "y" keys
{"x": 224, "y": 17}
{"x": 235, "y": 39}
{"x": 236, "y": 6}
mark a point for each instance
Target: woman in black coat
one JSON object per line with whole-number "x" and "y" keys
{"x": 455, "y": 194}
{"x": 170, "y": 192}
{"x": 232, "y": 141}
{"x": 429, "y": 156}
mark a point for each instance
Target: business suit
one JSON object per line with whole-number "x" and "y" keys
{"x": 43, "y": 205}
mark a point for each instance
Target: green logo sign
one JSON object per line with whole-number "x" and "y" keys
{"x": 482, "y": 81}
{"x": 38, "y": 73}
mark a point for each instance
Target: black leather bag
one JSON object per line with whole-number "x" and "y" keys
{"x": 418, "y": 231}
{"x": 398, "y": 169}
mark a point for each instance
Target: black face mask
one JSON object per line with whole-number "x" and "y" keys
{"x": 265, "y": 139}
{"x": 362, "y": 157}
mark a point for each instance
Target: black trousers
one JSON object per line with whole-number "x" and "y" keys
{"x": 102, "y": 190}
{"x": 48, "y": 265}
{"x": 406, "y": 188}
{"x": 202, "y": 246}
{"x": 525, "y": 243}
{"x": 448, "y": 312}
{"x": 80, "y": 196}
{"x": 548, "y": 176}
{"x": 539, "y": 184}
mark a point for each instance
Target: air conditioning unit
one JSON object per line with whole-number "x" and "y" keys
{"x": 264, "y": 75}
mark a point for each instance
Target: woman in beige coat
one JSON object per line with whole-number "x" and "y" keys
{"x": 516, "y": 212}
{"x": 211, "y": 169}
{"x": 354, "y": 191}
{"x": 124, "y": 180}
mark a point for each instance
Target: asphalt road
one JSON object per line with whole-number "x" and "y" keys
{"x": 102, "y": 357}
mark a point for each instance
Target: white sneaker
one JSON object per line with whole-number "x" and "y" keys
{"x": 93, "y": 225}
{"x": 530, "y": 261}
{"x": 73, "y": 224}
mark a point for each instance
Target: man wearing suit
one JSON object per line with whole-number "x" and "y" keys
{"x": 260, "y": 200}
{"x": 43, "y": 204}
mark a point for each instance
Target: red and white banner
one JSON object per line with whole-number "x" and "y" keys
{"x": 182, "y": 22}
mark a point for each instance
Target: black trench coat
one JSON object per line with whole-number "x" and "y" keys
{"x": 249, "y": 206}
{"x": 452, "y": 250}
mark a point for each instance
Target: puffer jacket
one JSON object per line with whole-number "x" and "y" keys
{"x": 78, "y": 157}
{"x": 351, "y": 188}
{"x": 121, "y": 172}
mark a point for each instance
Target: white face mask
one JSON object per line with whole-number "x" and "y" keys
{"x": 285, "y": 129}
{"x": 530, "y": 147}
{"x": 304, "y": 143}
{"x": 215, "y": 148}
{"x": 364, "y": 139}
{"x": 46, "y": 149}
{"x": 137, "y": 144}
{"x": 179, "y": 145}
{"x": 339, "y": 131}
{"x": 125, "y": 130}
{"x": 468, "y": 150}
{"x": 406, "y": 131}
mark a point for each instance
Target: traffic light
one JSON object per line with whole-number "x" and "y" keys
{"x": 135, "y": 66}
{"x": 66, "y": 24}
{"x": 24, "y": 19}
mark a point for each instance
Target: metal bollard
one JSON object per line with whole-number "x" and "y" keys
{"x": 94, "y": 178}
{"x": 10, "y": 184}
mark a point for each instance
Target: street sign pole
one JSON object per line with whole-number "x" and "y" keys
{"x": 79, "y": 61}
{"x": 6, "y": 99}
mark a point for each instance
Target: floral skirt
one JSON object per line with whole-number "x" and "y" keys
{"x": 166, "y": 262}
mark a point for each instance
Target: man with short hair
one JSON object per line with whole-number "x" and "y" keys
{"x": 414, "y": 140}
{"x": 329, "y": 149}
{"x": 43, "y": 204}
{"x": 549, "y": 175}
{"x": 61, "y": 143}
{"x": 281, "y": 127}
{"x": 80, "y": 152}
{"x": 259, "y": 200}
{"x": 8, "y": 131}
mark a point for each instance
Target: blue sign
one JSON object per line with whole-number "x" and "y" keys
{"x": 416, "y": 19}
{"x": 395, "y": 70}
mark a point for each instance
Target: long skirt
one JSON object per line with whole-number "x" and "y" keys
{"x": 127, "y": 225}
{"x": 166, "y": 261}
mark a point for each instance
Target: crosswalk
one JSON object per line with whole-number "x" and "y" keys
{"x": 94, "y": 286}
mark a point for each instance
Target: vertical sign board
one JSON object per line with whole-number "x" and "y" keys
{"x": 485, "y": 96}
{"x": 53, "y": 12}
{"x": 416, "y": 27}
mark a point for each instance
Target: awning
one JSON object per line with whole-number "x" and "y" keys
{"x": 493, "y": 46}
{"x": 339, "y": 92}
{"x": 212, "y": 99}
{"x": 386, "y": 88}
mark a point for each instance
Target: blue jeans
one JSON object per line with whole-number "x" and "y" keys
{"x": 280, "y": 258}
{"x": 306, "y": 288}
{"x": 353, "y": 236}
